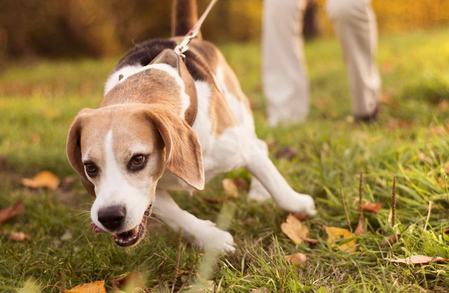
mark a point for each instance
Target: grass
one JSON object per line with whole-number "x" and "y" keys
{"x": 39, "y": 101}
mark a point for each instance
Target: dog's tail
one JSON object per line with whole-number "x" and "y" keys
{"x": 184, "y": 17}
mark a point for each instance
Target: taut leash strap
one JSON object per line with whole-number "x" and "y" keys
{"x": 184, "y": 45}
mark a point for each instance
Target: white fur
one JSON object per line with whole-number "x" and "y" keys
{"x": 130, "y": 70}
{"x": 115, "y": 190}
{"x": 113, "y": 79}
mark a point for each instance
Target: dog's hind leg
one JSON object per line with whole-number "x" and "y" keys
{"x": 260, "y": 166}
{"x": 202, "y": 233}
{"x": 257, "y": 191}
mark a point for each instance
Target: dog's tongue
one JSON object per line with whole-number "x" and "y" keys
{"x": 97, "y": 229}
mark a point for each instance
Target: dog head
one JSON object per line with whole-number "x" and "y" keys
{"x": 121, "y": 152}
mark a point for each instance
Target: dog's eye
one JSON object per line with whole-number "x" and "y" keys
{"x": 91, "y": 169}
{"x": 137, "y": 162}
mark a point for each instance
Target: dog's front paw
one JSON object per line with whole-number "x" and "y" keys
{"x": 210, "y": 237}
{"x": 298, "y": 202}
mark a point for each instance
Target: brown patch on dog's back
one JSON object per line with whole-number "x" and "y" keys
{"x": 151, "y": 86}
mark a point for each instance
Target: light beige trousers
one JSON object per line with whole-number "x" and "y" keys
{"x": 285, "y": 81}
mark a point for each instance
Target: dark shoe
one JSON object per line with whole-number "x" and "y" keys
{"x": 369, "y": 118}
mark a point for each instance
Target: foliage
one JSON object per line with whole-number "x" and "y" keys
{"x": 68, "y": 28}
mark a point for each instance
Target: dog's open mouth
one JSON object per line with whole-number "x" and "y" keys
{"x": 130, "y": 237}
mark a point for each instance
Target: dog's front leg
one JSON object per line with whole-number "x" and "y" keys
{"x": 260, "y": 165}
{"x": 202, "y": 233}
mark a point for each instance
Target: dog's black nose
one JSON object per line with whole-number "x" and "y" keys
{"x": 112, "y": 217}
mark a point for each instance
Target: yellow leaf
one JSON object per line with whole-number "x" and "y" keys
{"x": 95, "y": 287}
{"x": 128, "y": 282}
{"x": 294, "y": 229}
{"x": 44, "y": 179}
{"x": 336, "y": 234}
{"x": 230, "y": 188}
{"x": 297, "y": 258}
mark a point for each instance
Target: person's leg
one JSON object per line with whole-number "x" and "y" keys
{"x": 284, "y": 72}
{"x": 355, "y": 24}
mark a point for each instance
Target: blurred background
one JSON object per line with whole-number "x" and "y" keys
{"x": 70, "y": 28}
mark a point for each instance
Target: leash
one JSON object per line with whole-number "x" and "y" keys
{"x": 184, "y": 45}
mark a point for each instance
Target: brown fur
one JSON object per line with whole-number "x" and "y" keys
{"x": 184, "y": 17}
{"x": 154, "y": 125}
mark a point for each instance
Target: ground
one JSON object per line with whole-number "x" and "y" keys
{"x": 38, "y": 102}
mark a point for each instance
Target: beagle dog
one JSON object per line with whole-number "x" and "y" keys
{"x": 170, "y": 123}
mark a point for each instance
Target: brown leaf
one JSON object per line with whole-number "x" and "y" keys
{"x": 19, "y": 237}
{"x": 418, "y": 259}
{"x": 287, "y": 153}
{"x": 36, "y": 138}
{"x": 336, "y": 234}
{"x": 439, "y": 131}
{"x": 44, "y": 179}
{"x": 391, "y": 240}
{"x": 261, "y": 290}
{"x": 67, "y": 183}
{"x": 230, "y": 188}
{"x": 310, "y": 240}
{"x": 423, "y": 158}
{"x": 396, "y": 123}
{"x": 212, "y": 200}
{"x": 372, "y": 207}
{"x": 300, "y": 216}
{"x": 442, "y": 106}
{"x": 241, "y": 183}
{"x": 446, "y": 231}
{"x": 360, "y": 230}
{"x": 294, "y": 229}
{"x": 297, "y": 258}
{"x": 11, "y": 211}
{"x": 128, "y": 282}
{"x": 95, "y": 287}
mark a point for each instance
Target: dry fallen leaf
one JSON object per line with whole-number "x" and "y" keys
{"x": 261, "y": 290}
{"x": 310, "y": 240}
{"x": 241, "y": 183}
{"x": 294, "y": 229}
{"x": 297, "y": 258}
{"x": 128, "y": 282}
{"x": 300, "y": 216}
{"x": 335, "y": 234}
{"x": 19, "y": 237}
{"x": 44, "y": 179}
{"x": 230, "y": 188}
{"x": 212, "y": 200}
{"x": 95, "y": 287}
{"x": 11, "y": 211}
{"x": 423, "y": 158}
{"x": 360, "y": 230}
{"x": 418, "y": 259}
{"x": 372, "y": 207}
{"x": 287, "y": 153}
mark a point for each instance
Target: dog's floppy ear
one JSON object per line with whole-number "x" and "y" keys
{"x": 73, "y": 149}
{"x": 182, "y": 148}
